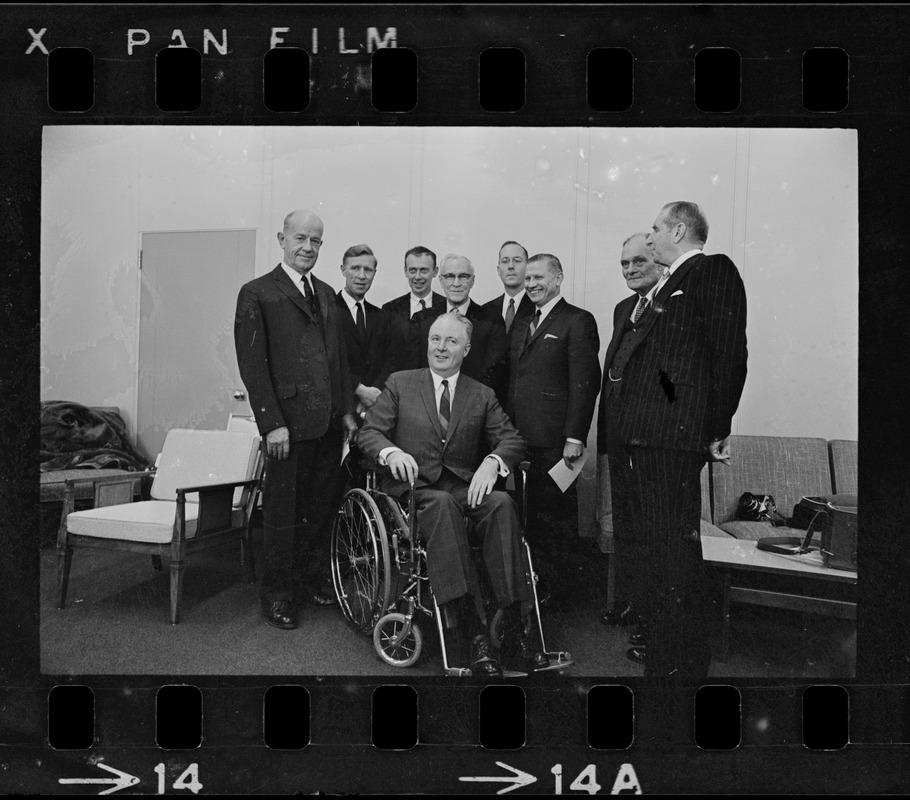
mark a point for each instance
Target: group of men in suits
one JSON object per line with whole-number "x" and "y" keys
{"x": 482, "y": 387}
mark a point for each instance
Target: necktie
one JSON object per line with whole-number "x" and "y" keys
{"x": 310, "y": 297}
{"x": 361, "y": 322}
{"x": 423, "y": 307}
{"x": 510, "y": 314}
{"x": 640, "y": 308}
{"x": 535, "y": 322}
{"x": 445, "y": 407}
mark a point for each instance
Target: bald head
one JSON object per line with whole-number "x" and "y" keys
{"x": 301, "y": 239}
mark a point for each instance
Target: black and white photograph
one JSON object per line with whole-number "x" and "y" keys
{"x": 454, "y": 399}
{"x": 172, "y": 335}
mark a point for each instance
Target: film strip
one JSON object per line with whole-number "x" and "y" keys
{"x": 238, "y": 730}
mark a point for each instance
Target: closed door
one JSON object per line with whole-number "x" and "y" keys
{"x": 188, "y": 376}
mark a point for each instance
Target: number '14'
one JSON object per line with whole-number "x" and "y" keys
{"x": 188, "y": 779}
{"x": 585, "y": 782}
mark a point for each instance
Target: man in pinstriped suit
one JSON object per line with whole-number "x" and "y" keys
{"x": 642, "y": 274}
{"x": 672, "y": 382}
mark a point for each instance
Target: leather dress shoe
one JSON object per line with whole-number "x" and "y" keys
{"x": 637, "y": 654}
{"x": 531, "y": 658}
{"x": 483, "y": 662}
{"x": 622, "y": 614}
{"x": 322, "y": 599}
{"x": 638, "y": 637}
{"x": 279, "y": 614}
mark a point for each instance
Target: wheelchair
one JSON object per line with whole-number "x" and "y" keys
{"x": 380, "y": 577}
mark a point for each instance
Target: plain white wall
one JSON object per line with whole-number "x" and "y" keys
{"x": 781, "y": 203}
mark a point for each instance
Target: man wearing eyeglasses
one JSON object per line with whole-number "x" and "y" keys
{"x": 513, "y": 304}
{"x": 293, "y": 362}
{"x": 419, "y": 270}
{"x": 486, "y": 361}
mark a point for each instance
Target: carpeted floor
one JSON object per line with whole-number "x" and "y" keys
{"x": 116, "y": 622}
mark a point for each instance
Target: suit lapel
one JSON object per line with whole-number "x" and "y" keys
{"x": 286, "y": 285}
{"x": 428, "y": 394}
{"x": 458, "y": 404}
{"x": 625, "y": 311}
{"x": 545, "y": 323}
{"x": 664, "y": 294}
{"x": 676, "y": 278}
{"x": 325, "y": 295}
{"x": 348, "y": 322}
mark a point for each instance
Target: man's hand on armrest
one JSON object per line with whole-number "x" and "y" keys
{"x": 483, "y": 481}
{"x": 403, "y": 466}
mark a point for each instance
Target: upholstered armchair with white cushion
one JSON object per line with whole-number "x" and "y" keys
{"x": 203, "y": 492}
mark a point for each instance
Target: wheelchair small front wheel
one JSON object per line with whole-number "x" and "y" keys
{"x": 397, "y": 641}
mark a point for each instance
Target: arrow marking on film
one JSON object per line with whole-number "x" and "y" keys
{"x": 517, "y": 778}
{"x": 122, "y": 781}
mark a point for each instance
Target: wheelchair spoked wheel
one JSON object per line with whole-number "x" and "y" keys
{"x": 397, "y": 642}
{"x": 361, "y": 567}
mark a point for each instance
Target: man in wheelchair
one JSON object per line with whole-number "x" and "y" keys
{"x": 446, "y": 434}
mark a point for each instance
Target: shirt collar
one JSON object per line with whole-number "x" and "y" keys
{"x": 669, "y": 271}
{"x": 546, "y": 308}
{"x": 438, "y": 379}
{"x": 462, "y": 309}
{"x": 296, "y": 276}
{"x": 352, "y": 303}
{"x": 517, "y": 298}
{"x": 415, "y": 301}
{"x": 683, "y": 258}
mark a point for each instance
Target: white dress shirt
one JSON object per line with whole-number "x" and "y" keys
{"x": 517, "y": 298}
{"x": 352, "y": 306}
{"x": 415, "y": 302}
{"x": 462, "y": 309}
{"x": 297, "y": 279}
{"x": 664, "y": 278}
{"x": 546, "y": 308}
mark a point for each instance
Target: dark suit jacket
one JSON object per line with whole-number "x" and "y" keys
{"x": 366, "y": 358}
{"x": 554, "y": 376}
{"x": 487, "y": 360}
{"x": 525, "y": 310}
{"x": 682, "y": 383}
{"x": 293, "y": 364}
{"x": 405, "y": 416}
{"x": 399, "y": 312}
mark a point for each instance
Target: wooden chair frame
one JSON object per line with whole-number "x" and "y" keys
{"x": 213, "y": 528}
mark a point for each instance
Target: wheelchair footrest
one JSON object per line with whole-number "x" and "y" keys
{"x": 559, "y": 659}
{"x": 458, "y": 672}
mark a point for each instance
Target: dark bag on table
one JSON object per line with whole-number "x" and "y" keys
{"x": 759, "y": 508}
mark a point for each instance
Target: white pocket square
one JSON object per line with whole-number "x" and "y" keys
{"x": 549, "y": 336}
{"x": 678, "y": 291}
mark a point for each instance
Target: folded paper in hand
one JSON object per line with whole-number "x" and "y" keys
{"x": 565, "y": 476}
